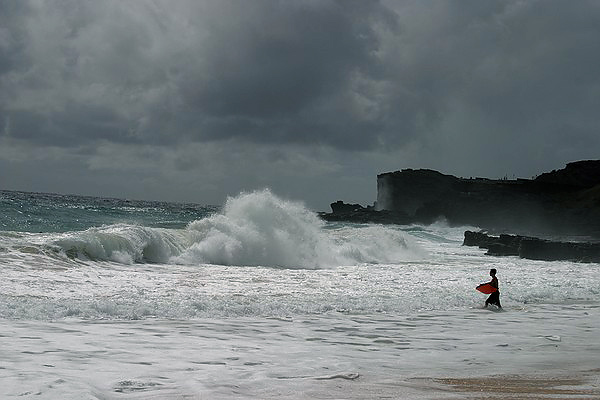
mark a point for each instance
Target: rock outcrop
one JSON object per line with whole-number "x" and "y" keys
{"x": 534, "y": 248}
{"x": 356, "y": 213}
{"x": 564, "y": 202}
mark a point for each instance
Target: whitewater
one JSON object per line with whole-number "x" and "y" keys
{"x": 261, "y": 299}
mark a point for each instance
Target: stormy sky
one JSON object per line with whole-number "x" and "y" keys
{"x": 198, "y": 100}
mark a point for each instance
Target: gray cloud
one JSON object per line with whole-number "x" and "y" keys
{"x": 277, "y": 59}
{"x": 266, "y": 72}
{"x": 355, "y": 87}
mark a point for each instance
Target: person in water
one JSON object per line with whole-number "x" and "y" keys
{"x": 494, "y": 298}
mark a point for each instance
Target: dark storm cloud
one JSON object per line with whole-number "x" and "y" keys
{"x": 13, "y": 37}
{"x": 545, "y": 65}
{"x": 280, "y": 57}
{"x": 265, "y": 71}
{"x": 467, "y": 87}
{"x": 498, "y": 83}
{"x": 350, "y": 74}
{"x": 284, "y": 71}
{"x": 69, "y": 128}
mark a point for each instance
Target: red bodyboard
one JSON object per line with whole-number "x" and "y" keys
{"x": 486, "y": 288}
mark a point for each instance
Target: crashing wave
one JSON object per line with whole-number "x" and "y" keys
{"x": 253, "y": 229}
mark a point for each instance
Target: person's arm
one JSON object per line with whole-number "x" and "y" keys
{"x": 493, "y": 282}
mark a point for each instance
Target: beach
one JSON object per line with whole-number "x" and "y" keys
{"x": 429, "y": 355}
{"x": 154, "y": 301}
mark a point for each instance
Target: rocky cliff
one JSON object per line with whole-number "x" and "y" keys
{"x": 561, "y": 202}
{"x": 566, "y": 201}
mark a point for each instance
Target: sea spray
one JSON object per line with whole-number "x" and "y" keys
{"x": 260, "y": 228}
{"x": 131, "y": 271}
{"x": 253, "y": 229}
{"x": 122, "y": 243}
{"x": 376, "y": 244}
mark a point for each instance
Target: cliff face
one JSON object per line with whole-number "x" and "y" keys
{"x": 564, "y": 202}
{"x": 582, "y": 174}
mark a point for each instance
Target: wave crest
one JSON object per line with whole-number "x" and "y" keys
{"x": 259, "y": 228}
{"x": 253, "y": 229}
{"x": 123, "y": 244}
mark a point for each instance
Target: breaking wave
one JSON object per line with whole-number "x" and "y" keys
{"x": 260, "y": 228}
{"x": 253, "y": 229}
{"x": 123, "y": 243}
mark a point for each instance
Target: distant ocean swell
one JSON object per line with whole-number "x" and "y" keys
{"x": 258, "y": 255}
{"x": 253, "y": 229}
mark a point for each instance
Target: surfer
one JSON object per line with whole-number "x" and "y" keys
{"x": 494, "y": 298}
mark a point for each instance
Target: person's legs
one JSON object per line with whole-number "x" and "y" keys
{"x": 494, "y": 299}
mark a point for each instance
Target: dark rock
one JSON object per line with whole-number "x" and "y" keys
{"x": 505, "y": 245}
{"x": 479, "y": 239}
{"x": 359, "y": 214}
{"x": 537, "y": 249}
{"x": 339, "y": 207}
{"x": 499, "y": 249}
{"x": 559, "y": 203}
{"x": 534, "y": 248}
{"x": 564, "y": 202}
{"x": 578, "y": 174}
{"x": 367, "y": 215}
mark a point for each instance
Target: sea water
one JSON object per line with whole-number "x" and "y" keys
{"x": 259, "y": 298}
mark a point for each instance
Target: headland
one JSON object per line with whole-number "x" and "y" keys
{"x": 562, "y": 205}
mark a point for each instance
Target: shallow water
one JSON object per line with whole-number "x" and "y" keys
{"x": 326, "y": 356}
{"x": 263, "y": 300}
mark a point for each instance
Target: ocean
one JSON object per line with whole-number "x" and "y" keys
{"x": 260, "y": 299}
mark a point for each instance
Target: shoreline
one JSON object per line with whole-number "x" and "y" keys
{"x": 421, "y": 356}
{"x": 582, "y": 385}
{"x": 579, "y": 385}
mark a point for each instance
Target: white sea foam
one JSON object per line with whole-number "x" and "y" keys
{"x": 261, "y": 229}
{"x": 330, "y": 356}
{"x": 264, "y": 256}
{"x": 254, "y": 229}
{"x": 376, "y": 244}
{"x": 122, "y": 243}
{"x": 126, "y": 310}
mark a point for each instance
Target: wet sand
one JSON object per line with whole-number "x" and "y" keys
{"x": 585, "y": 385}
{"x": 572, "y": 385}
